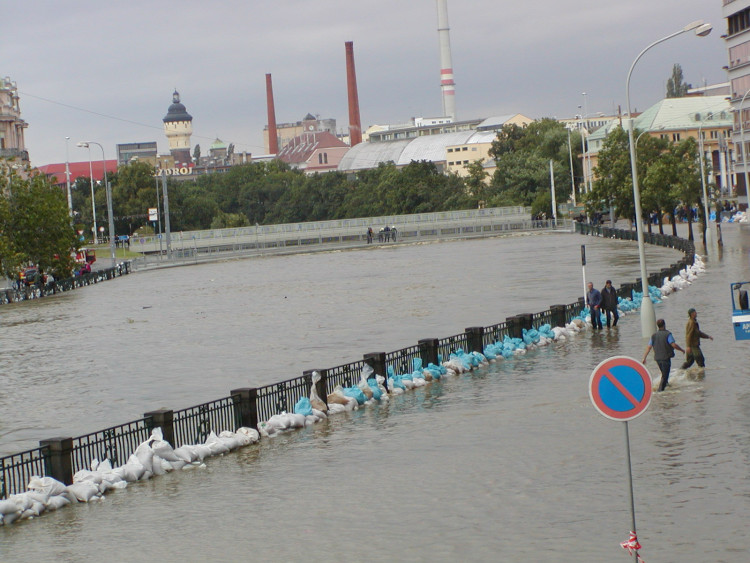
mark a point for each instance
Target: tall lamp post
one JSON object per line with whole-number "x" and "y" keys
{"x": 108, "y": 190}
{"x": 91, "y": 179}
{"x": 648, "y": 315}
{"x": 67, "y": 177}
{"x": 706, "y": 210}
{"x": 744, "y": 147}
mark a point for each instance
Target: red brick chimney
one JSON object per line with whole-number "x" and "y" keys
{"x": 355, "y": 125}
{"x": 273, "y": 136}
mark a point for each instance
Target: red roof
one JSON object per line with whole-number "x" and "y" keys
{"x": 78, "y": 170}
{"x": 301, "y": 148}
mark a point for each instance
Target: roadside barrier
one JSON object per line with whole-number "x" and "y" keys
{"x": 34, "y": 291}
{"x": 62, "y": 457}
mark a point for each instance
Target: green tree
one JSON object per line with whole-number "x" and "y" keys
{"x": 476, "y": 181}
{"x": 197, "y": 154}
{"x": 613, "y": 184}
{"x": 522, "y": 156}
{"x": 36, "y": 227}
{"x": 676, "y": 87}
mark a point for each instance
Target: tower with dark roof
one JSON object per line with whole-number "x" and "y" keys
{"x": 178, "y": 126}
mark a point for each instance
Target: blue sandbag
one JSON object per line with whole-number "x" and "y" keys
{"x": 376, "y": 392}
{"x": 303, "y": 407}
{"x": 356, "y": 393}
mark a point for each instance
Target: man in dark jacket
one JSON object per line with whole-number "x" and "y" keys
{"x": 664, "y": 346}
{"x": 594, "y": 300}
{"x": 609, "y": 303}
{"x": 693, "y": 337}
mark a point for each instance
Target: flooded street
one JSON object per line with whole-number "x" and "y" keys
{"x": 509, "y": 463}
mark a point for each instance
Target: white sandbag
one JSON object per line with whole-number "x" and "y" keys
{"x": 9, "y": 506}
{"x": 57, "y": 502}
{"x": 203, "y": 451}
{"x": 335, "y": 408}
{"x": 320, "y": 414}
{"x": 247, "y": 436}
{"x": 49, "y": 485}
{"x": 22, "y": 500}
{"x": 157, "y": 467}
{"x": 86, "y": 475}
{"x": 37, "y": 496}
{"x": 164, "y": 450}
{"x": 187, "y": 453}
{"x": 132, "y": 471}
{"x": 145, "y": 455}
{"x": 296, "y": 420}
{"x": 83, "y": 491}
{"x": 215, "y": 445}
{"x": 230, "y": 440}
{"x": 179, "y": 464}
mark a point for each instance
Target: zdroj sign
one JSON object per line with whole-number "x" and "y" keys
{"x": 184, "y": 171}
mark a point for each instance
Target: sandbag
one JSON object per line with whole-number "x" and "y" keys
{"x": 303, "y": 407}
{"x": 83, "y": 491}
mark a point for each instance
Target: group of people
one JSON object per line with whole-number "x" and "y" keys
{"x": 604, "y": 300}
{"x": 385, "y": 234}
{"x": 663, "y": 344}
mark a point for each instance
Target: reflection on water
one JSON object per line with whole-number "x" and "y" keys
{"x": 509, "y": 463}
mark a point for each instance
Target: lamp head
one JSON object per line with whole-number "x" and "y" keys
{"x": 83, "y": 144}
{"x": 703, "y": 30}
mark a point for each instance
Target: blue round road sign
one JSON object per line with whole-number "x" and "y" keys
{"x": 620, "y": 388}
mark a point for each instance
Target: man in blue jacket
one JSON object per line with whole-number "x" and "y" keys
{"x": 594, "y": 301}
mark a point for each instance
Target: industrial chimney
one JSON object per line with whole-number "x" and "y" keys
{"x": 355, "y": 125}
{"x": 273, "y": 136}
{"x": 447, "y": 85}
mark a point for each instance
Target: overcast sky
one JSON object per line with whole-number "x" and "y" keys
{"x": 105, "y": 71}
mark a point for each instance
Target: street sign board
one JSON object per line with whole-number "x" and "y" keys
{"x": 620, "y": 388}
{"x": 153, "y": 214}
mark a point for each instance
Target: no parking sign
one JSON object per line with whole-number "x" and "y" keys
{"x": 620, "y": 388}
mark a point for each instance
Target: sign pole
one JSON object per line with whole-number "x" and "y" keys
{"x": 583, "y": 268}
{"x": 630, "y": 489}
{"x": 620, "y": 388}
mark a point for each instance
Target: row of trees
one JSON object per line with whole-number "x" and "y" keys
{"x": 669, "y": 176}
{"x": 35, "y": 226}
{"x": 272, "y": 192}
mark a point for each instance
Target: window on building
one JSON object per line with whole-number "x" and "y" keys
{"x": 675, "y": 137}
{"x": 450, "y": 150}
{"x": 325, "y": 158}
{"x": 320, "y": 158}
{"x": 464, "y": 148}
{"x": 474, "y": 149}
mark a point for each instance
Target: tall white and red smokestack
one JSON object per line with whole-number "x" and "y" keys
{"x": 273, "y": 136}
{"x": 447, "y": 85}
{"x": 355, "y": 125}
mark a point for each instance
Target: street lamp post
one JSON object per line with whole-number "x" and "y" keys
{"x": 67, "y": 176}
{"x": 108, "y": 191}
{"x": 91, "y": 180}
{"x": 648, "y": 315}
{"x": 706, "y": 209}
{"x": 742, "y": 142}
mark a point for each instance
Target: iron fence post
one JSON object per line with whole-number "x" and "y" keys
{"x": 58, "y": 458}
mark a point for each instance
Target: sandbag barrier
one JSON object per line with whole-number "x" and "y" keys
{"x": 209, "y": 425}
{"x": 687, "y": 247}
{"x": 34, "y": 292}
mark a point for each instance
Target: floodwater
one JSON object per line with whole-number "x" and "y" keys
{"x": 509, "y": 463}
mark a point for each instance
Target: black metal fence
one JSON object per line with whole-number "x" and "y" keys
{"x": 62, "y": 457}
{"x": 33, "y": 291}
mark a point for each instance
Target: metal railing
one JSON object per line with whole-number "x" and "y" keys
{"x": 193, "y": 424}
{"x": 62, "y": 457}
{"x": 114, "y": 444}
{"x": 34, "y": 291}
